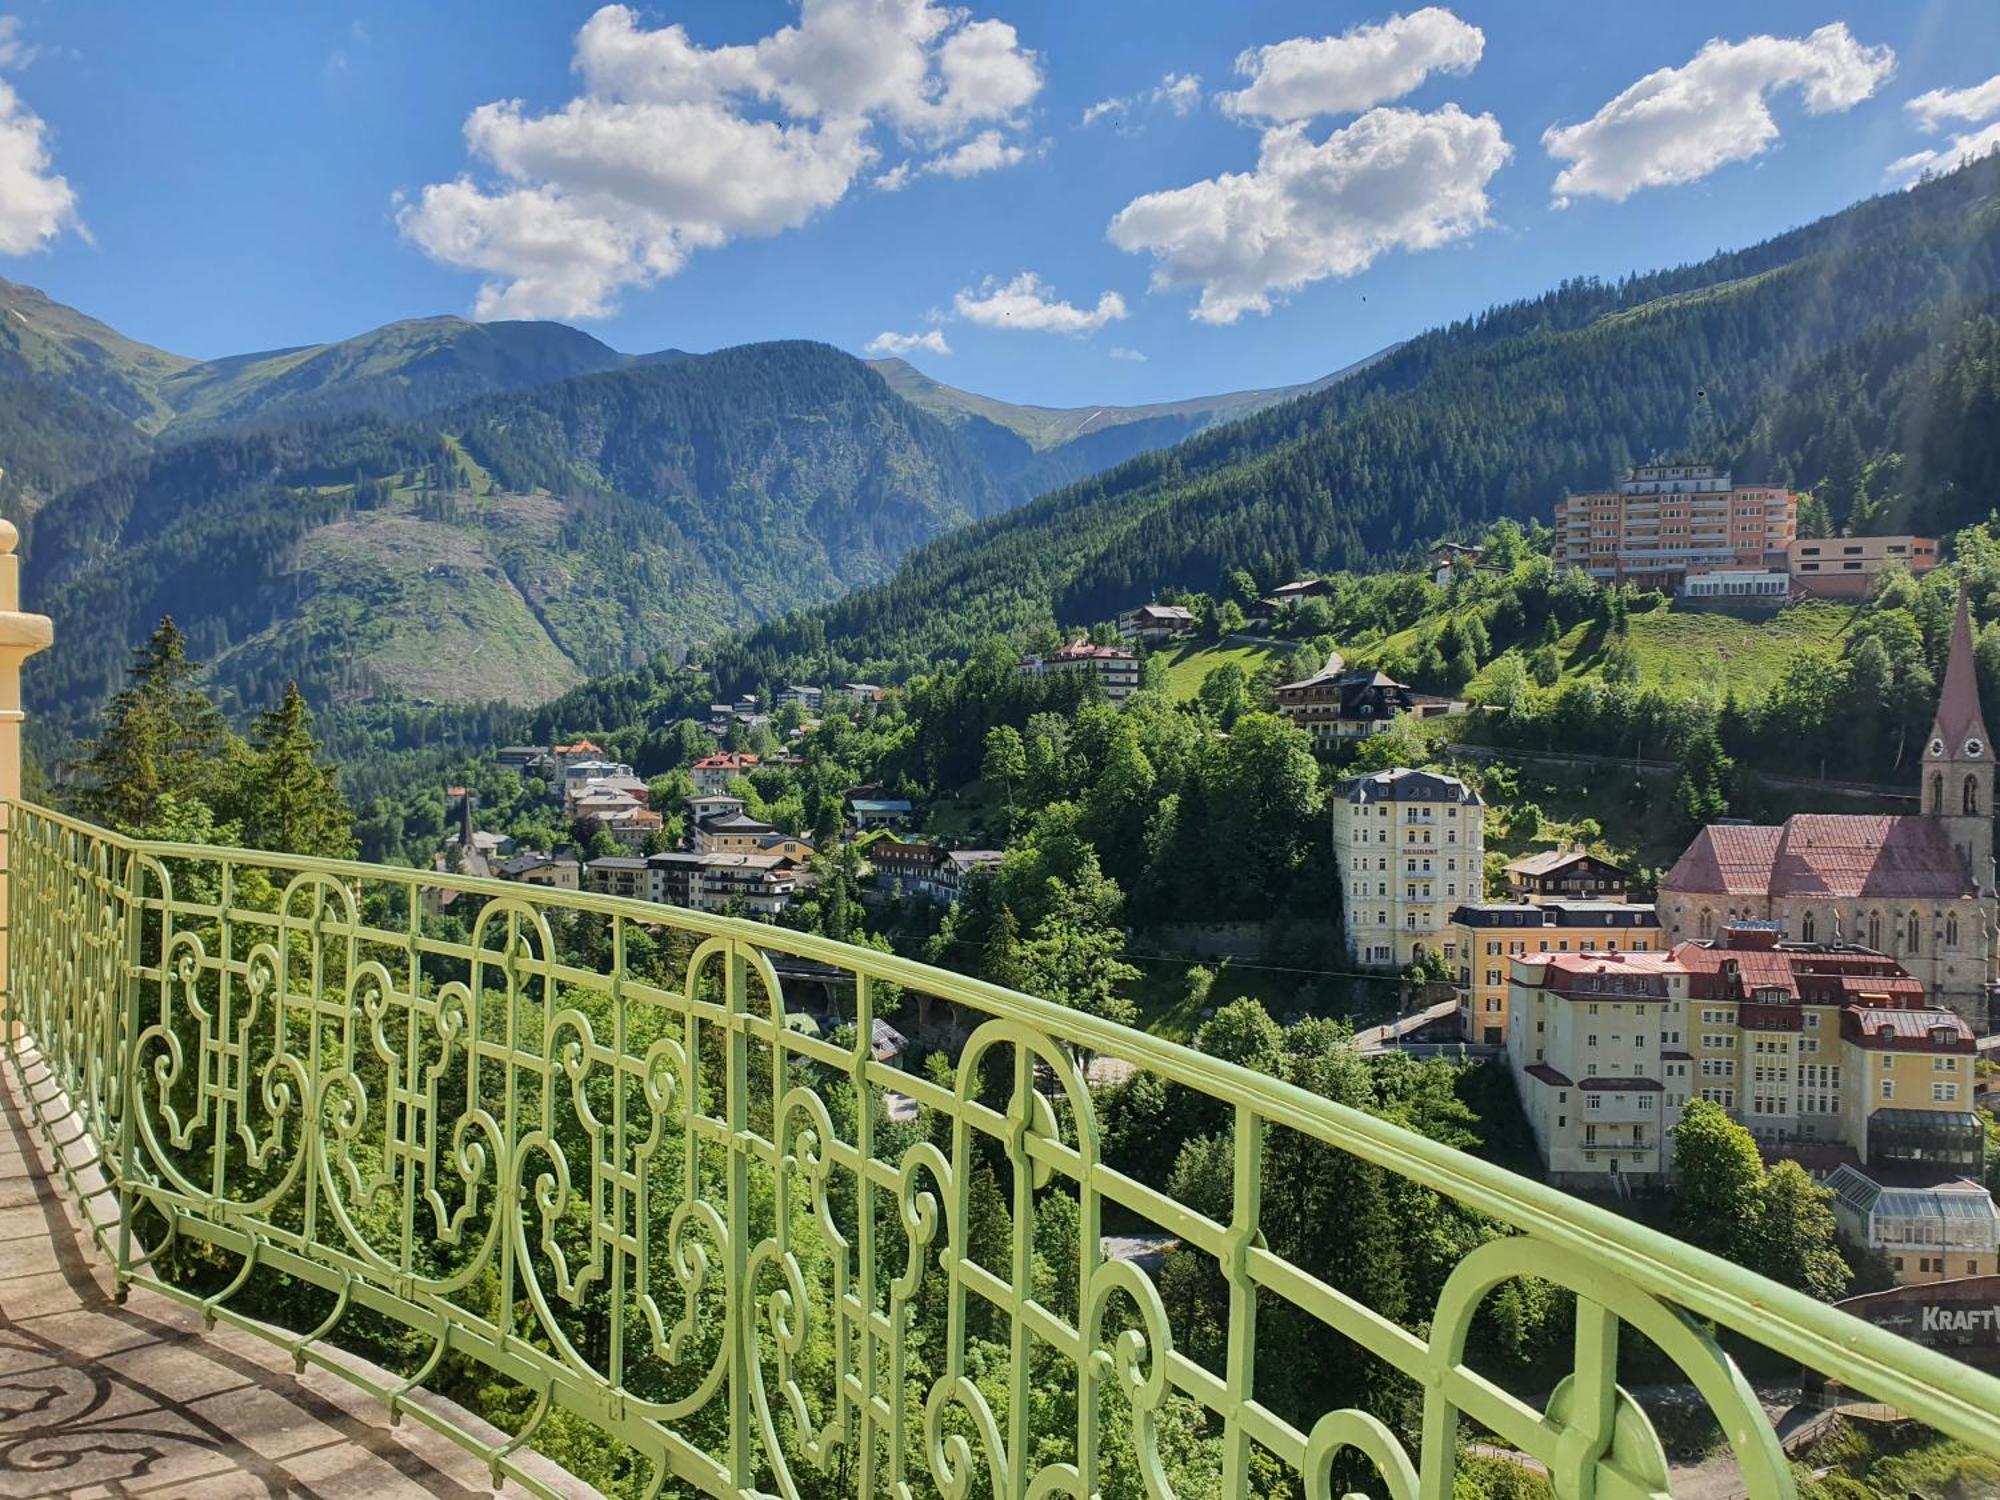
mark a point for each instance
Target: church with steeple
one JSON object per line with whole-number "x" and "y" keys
{"x": 1918, "y": 887}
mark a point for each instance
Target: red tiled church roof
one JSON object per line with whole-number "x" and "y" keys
{"x": 1831, "y": 855}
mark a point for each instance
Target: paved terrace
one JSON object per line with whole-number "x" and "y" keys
{"x": 99, "y": 1399}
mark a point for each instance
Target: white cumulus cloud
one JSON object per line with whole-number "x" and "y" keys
{"x": 931, "y": 341}
{"x": 1029, "y": 303}
{"x": 1979, "y": 102}
{"x": 36, "y": 202}
{"x": 1677, "y": 125}
{"x": 1127, "y": 356}
{"x": 986, "y": 152}
{"x": 1950, "y": 157}
{"x": 1977, "y": 105}
{"x": 1393, "y": 179}
{"x": 672, "y": 147}
{"x": 1303, "y": 76}
{"x": 1179, "y": 92}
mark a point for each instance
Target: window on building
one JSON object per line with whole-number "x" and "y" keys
{"x": 1970, "y": 797}
{"x": 1913, "y": 933}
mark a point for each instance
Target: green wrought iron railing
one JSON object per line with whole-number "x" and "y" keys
{"x": 584, "y": 1148}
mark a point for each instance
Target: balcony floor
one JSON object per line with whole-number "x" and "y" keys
{"x": 101, "y": 1400}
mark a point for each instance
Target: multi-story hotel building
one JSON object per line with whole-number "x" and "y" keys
{"x": 1663, "y": 521}
{"x": 1820, "y": 1044}
{"x": 1486, "y": 936}
{"x": 1412, "y": 847}
{"x": 1117, "y": 670}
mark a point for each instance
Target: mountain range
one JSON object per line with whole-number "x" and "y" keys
{"x": 1857, "y": 358}
{"x": 444, "y": 511}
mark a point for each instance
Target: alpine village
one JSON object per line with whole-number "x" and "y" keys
{"x": 755, "y": 923}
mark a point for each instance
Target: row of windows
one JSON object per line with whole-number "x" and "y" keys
{"x": 1927, "y": 1263}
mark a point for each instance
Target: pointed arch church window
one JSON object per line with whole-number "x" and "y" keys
{"x": 1972, "y": 796}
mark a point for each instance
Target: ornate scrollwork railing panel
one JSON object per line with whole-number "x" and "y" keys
{"x": 651, "y": 1171}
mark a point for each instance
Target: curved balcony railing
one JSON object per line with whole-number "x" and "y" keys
{"x": 482, "y": 1120}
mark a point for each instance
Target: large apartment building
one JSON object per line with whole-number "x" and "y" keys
{"x": 1412, "y": 848}
{"x": 1663, "y": 521}
{"x": 1596, "y": 1045}
{"x": 1808, "y": 1044}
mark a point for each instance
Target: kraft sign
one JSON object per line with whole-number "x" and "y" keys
{"x": 1950, "y": 1320}
{"x": 1960, "y": 1316}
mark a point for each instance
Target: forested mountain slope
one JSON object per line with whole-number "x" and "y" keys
{"x": 1802, "y": 346}
{"x": 501, "y": 549}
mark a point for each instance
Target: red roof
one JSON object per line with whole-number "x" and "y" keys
{"x": 1905, "y": 1030}
{"x": 1084, "y": 650}
{"x": 727, "y": 760}
{"x": 1831, "y": 855}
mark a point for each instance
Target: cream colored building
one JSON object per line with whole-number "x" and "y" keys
{"x": 1412, "y": 848}
{"x": 1927, "y": 1227}
{"x": 1594, "y": 1042}
{"x": 1845, "y": 567}
{"x": 1487, "y": 935}
{"x": 1807, "y": 1044}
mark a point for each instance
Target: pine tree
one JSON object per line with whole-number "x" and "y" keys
{"x": 291, "y": 802}
{"x": 161, "y": 737}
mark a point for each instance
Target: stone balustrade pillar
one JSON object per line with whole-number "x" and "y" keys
{"x": 21, "y": 636}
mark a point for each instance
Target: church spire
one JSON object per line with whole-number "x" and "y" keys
{"x": 1959, "y": 721}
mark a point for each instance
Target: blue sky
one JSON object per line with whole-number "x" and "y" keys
{"x": 227, "y": 177}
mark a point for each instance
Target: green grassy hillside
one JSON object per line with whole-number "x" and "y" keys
{"x": 1683, "y": 649}
{"x": 1190, "y": 662}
